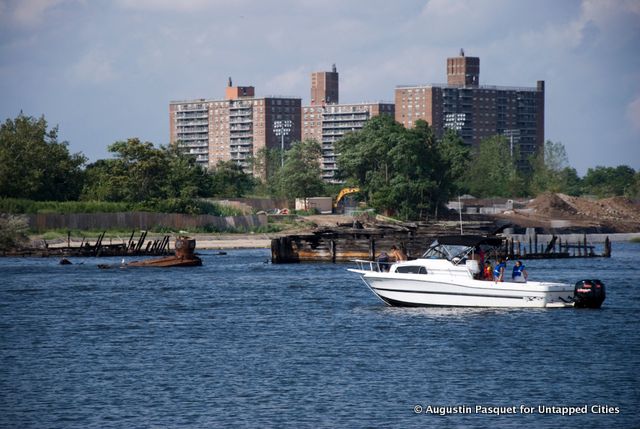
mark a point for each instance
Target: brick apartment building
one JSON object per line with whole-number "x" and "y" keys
{"x": 233, "y": 129}
{"x": 238, "y": 126}
{"x": 476, "y": 111}
{"x": 326, "y": 121}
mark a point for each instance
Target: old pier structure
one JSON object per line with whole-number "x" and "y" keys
{"x": 343, "y": 244}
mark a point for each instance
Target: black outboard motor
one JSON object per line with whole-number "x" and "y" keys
{"x": 588, "y": 294}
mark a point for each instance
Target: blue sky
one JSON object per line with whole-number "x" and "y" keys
{"x": 106, "y": 70}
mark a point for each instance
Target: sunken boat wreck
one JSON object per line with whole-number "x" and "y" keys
{"x": 184, "y": 256}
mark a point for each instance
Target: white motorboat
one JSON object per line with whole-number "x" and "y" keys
{"x": 448, "y": 274}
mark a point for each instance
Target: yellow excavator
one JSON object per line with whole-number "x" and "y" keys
{"x": 337, "y": 206}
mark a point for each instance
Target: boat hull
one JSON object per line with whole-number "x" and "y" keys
{"x": 170, "y": 261}
{"x": 421, "y": 290}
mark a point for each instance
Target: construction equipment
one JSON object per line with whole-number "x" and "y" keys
{"x": 338, "y": 205}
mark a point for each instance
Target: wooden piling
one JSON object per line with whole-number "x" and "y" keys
{"x": 332, "y": 249}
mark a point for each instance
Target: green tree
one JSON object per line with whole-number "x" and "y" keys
{"x": 184, "y": 177}
{"x": 13, "y": 231}
{"x": 105, "y": 180}
{"x": 266, "y": 164}
{"x": 451, "y": 166}
{"x": 399, "y": 171}
{"x": 571, "y": 182}
{"x": 493, "y": 170}
{"x": 301, "y": 176}
{"x": 136, "y": 173}
{"x": 549, "y": 172}
{"x": 34, "y": 165}
{"x": 230, "y": 180}
{"x": 633, "y": 191}
{"x": 609, "y": 181}
{"x": 163, "y": 179}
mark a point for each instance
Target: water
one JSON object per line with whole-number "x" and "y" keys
{"x": 243, "y": 343}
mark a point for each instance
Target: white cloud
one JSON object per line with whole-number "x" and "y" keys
{"x": 166, "y": 5}
{"x": 31, "y": 12}
{"x": 94, "y": 67}
{"x": 289, "y": 82}
{"x": 604, "y": 13}
{"x": 633, "y": 113}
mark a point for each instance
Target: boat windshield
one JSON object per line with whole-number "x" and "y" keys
{"x": 447, "y": 251}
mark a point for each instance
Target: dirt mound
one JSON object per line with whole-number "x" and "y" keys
{"x": 616, "y": 209}
{"x": 553, "y": 205}
{"x": 551, "y": 210}
{"x": 563, "y": 206}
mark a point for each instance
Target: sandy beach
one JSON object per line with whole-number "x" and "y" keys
{"x": 233, "y": 241}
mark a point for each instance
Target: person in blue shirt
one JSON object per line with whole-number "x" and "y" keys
{"x": 519, "y": 273}
{"x": 498, "y": 271}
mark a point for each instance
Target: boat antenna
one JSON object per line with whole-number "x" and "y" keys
{"x": 460, "y": 212}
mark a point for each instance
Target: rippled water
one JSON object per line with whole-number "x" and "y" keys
{"x": 243, "y": 343}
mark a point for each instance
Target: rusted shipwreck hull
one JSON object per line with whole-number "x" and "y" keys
{"x": 184, "y": 256}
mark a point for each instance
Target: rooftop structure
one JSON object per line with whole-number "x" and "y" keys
{"x": 325, "y": 87}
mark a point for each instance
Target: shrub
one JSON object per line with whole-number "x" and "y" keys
{"x": 13, "y": 231}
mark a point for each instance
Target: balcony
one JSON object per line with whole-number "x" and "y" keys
{"x": 241, "y": 135}
{"x": 241, "y": 127}
{"x": 345, "y": 116}
{"x": 238, "y": 104}
{"x": 199, "y": 151}
{"x": 187, "y": 138}
{"x": 241, "y": 120}
{"x": 193, "y": 129}
{"x": 342, "y": 125}
{"x": 196, "y": 144}
{"x": 197, "y": 115}
{"x": 243, "y": 112}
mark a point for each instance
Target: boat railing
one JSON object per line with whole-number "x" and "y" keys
{"x": 365, "y": 265}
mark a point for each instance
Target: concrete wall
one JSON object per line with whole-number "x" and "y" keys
{"x": 323, "y": 204}
{"x": 140, "y": 220}
{"x": 257, "y": 204}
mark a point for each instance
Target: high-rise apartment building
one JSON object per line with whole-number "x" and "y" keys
{"x": 476, "y": 111}
{"x": 233, "y": 129}
{"x": 326, "y": 121}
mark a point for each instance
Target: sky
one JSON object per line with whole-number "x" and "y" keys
{"x": 106, "y": 70}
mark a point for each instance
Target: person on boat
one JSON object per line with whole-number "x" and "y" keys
{"x": 488, "y": 271}
{"x": 383, "y": 261}
{"x": 397, "y": 254}
{"x": 498, "y": 271}
{"x": 478, "y": 256}
{"x": 519, "y": 274}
